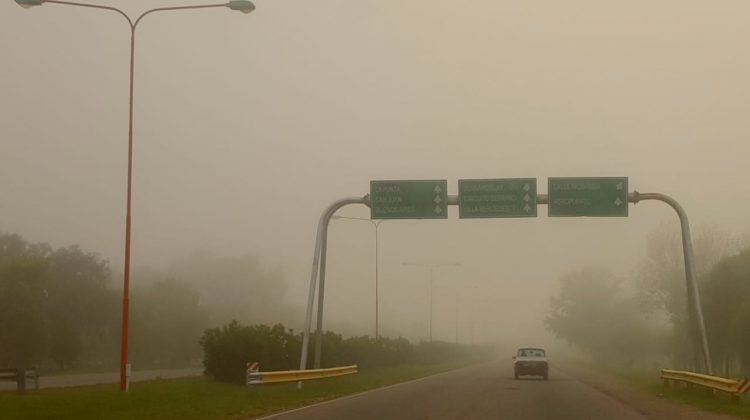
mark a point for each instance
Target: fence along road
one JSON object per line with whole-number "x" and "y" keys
{"x": 62, "y": 381}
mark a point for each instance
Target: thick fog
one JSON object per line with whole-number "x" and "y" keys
{"x": 248, "y": 126}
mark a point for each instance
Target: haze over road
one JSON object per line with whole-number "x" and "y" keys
{"x": 488, "y": 391}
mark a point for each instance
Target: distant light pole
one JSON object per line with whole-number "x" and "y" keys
{"x": 432, "y": 268}
{"x": 243, "y": 6}
{"x": 375, "y": 223}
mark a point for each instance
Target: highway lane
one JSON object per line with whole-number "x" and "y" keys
{"x": 486, "y": 391}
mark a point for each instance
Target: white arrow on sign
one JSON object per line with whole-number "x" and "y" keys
{"x": 526, "y": 198}
{"x": 437, "y": 200}
{"x": 526, "y": 208}
{"x": 619, "y": 186}
{"x": 618, "y": 201}
{"x": 526, "y": 187}
{"x": 438, "y": 210}
{"x": 437, "y": 189}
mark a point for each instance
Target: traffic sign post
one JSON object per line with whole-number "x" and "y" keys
{"x": 592, "y": 197}
{"x": 494, "y": 198}
{"x": 424, "y": 199}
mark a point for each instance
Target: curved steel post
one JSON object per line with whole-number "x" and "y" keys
{"x": 687, "y": 251}
{"x": 318, "y": 257}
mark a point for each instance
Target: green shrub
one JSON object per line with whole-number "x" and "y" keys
{"x": 228, "y": 348}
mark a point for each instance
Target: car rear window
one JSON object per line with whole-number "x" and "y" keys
{"x": 531, "y": 353}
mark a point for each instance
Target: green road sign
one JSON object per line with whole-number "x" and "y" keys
{"x": 597, "y": 197}
{"x": 484, "y": 198}
{"x": 409, "y": 199}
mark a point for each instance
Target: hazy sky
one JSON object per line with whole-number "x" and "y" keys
{"x": 248, "y": 126}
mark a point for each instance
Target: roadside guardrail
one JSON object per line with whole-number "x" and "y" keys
{"x": 259, "y": 378}
{"x": 20, "y": 377}
{"x": 734, "y": 387}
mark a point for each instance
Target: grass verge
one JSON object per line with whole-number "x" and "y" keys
{"x": 649, "y": 382}
{"x": 195, "y": 398}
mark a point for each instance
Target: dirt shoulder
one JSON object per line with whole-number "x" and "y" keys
{"x": 645, "y": 401}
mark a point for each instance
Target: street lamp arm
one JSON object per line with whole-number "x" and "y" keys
{"x": 132, "y": 23}
{"x": 163, "y": 9}
{"x": 94, "y": 6}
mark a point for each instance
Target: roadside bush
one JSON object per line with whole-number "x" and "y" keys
{"x": 228, "y": 348}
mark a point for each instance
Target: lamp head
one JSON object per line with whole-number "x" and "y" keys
{"x": 29, "y": 3}
{"x": 244, "y": 6}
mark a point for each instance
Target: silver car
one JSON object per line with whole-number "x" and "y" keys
{"x": 530, "y": 361}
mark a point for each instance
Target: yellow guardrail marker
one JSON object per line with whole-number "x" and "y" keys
{"x": 259, "y": 378}
{"x": 735, "y": 387}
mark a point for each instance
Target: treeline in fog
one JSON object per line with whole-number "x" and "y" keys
{"x": 61, "y": 308}
{"x": 643, "y": 318}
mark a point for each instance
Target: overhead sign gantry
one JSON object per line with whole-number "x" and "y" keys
{"x": 499, "y": 198}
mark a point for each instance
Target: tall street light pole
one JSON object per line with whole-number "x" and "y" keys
{"x": 432, "y": 268}
{"x": 243, "y": 6}
{"x": 375, "y": 223}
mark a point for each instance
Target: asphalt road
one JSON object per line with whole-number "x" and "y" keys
{"x": 478, "y": 392}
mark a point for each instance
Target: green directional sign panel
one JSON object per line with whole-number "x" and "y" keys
{"x": 594, "y": 197}
{"x": 486, "y": 198}
{"x": 424, "y": 199}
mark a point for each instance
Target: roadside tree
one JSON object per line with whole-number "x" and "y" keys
{"x": 726, "y": 299}
{"x": 23, "y": 298}
{"x": 593, "y": 313}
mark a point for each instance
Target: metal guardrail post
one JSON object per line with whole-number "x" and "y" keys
{"x": 20, "y": 376}
{"x": 21, "y": 380}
